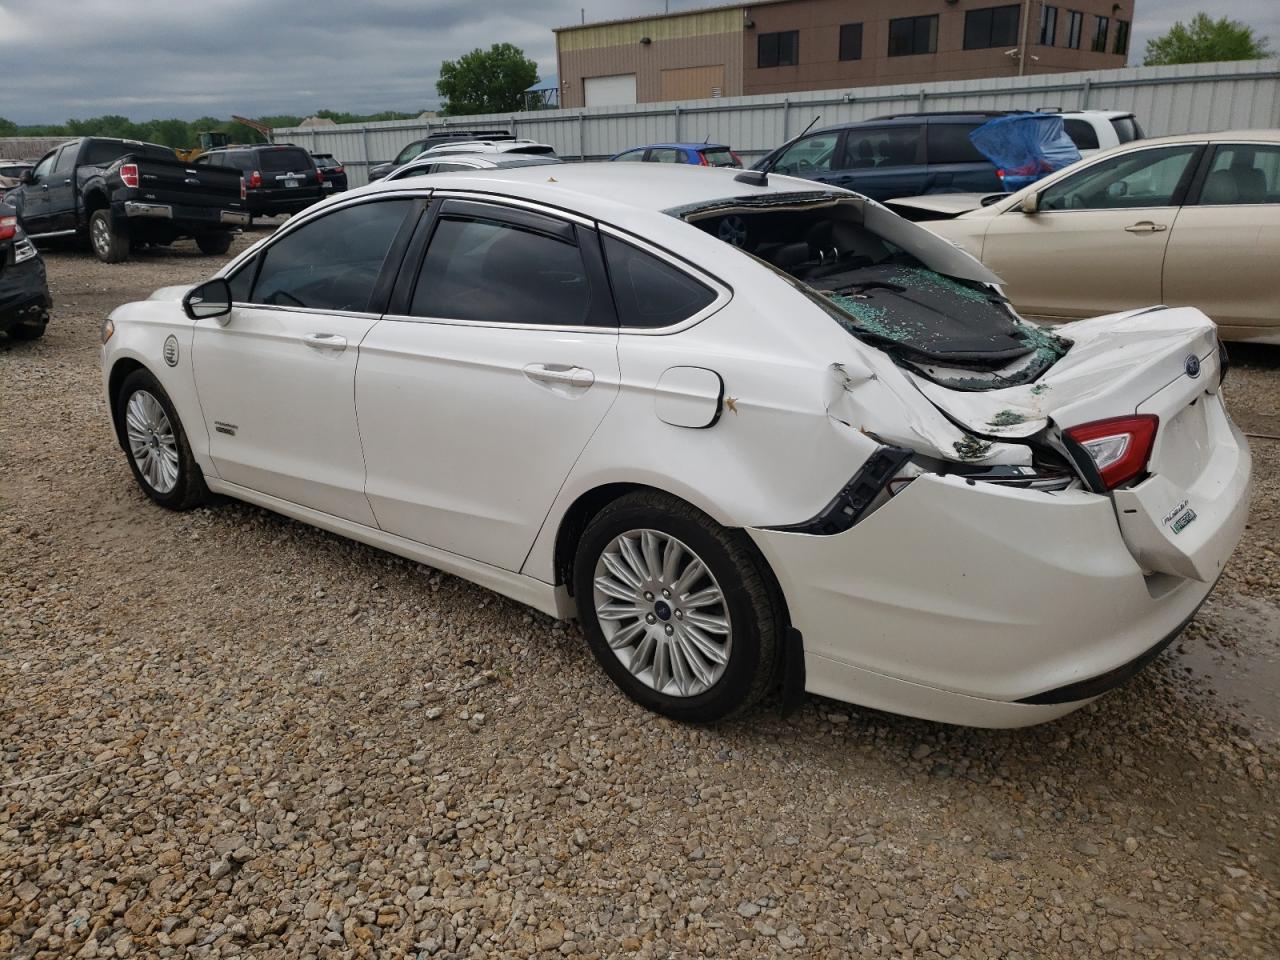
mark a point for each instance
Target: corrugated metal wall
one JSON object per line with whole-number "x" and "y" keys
{"x": 1167, "y": 100}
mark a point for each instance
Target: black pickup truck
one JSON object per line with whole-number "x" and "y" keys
{"x": 116, "y": 194}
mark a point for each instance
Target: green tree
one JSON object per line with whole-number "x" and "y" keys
{"x": 8, "y": 128}
{"x": 486, "y": 81}
{"x": 1206, "y": 40}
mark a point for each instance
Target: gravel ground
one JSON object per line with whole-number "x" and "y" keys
{"x": 225, "y": 733}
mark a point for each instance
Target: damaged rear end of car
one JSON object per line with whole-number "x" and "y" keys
{"x": 1043, "y": 510}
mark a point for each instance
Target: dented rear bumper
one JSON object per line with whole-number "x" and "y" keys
{"x": 955, "y": 601}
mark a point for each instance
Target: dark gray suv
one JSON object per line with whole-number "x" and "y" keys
{"x": 904, "y": 155}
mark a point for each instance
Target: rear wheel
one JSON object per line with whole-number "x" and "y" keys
{"x": 30, "y": 329}
{"x": 214, "y": 244}
{"x": 156, "y": 444}
{"x": 109, "y": 245}
{"x": 683, "y": 614}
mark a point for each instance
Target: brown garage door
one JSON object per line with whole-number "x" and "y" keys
{"x": 693, "y": 83}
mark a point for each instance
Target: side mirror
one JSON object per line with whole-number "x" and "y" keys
{"x": 211, "y": 299}
{"x": 1030, "y": 203}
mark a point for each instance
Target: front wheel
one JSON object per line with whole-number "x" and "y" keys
{"x": 213, "y": 244}
{"x": 109, "y": 245}
{"x": 30, "y": 329}
{"x": 683, "y": 614}
{"x": 156, "y": 444}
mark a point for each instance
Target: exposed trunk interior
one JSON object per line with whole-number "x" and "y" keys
{"x": 891, "y": 284}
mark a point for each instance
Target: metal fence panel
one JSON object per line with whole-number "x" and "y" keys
{"x": 1193, "y": 98}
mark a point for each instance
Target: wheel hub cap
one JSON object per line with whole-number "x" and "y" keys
{"x": 152, "y": 444}
{"x": 662, "y": 613}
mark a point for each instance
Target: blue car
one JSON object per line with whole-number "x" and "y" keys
{"x": 698, "y": 154}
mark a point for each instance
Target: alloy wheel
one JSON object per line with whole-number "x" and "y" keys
{"x": 662, "y": 613}
{"x": 101, "y": 236}
{"x": 152, "y": 442}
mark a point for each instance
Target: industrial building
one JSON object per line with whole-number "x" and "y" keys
{"x": 780, "y": 46}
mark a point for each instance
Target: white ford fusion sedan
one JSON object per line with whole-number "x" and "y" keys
{"x": 757, "y": 435}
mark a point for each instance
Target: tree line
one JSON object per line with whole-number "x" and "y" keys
{"x": 180, "y": 133}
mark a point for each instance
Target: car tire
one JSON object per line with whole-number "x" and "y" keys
{"x": 711, "y": 641}
{"x": 155, "y": 444}
{"x": 108, "y": 244}
{"x": 30, "y": 329}
{"x": 214, "y": 244}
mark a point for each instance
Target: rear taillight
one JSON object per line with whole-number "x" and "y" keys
{"x": 244, "y": 194}
{"x": 129, "y": 174}
{"x": 1120, "y": 447}
{"x": 319, "y": 175}
{"x": 8, "y": 228}
{"x": 338, "y": 170}
{"x": 737, "y": 160}
{"x": 255, "y": 180}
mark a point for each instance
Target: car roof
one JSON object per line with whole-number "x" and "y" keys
{"x": 1222, "y": 136}
{"x": 608, "y": 190}
{"x": 683, "y": 146}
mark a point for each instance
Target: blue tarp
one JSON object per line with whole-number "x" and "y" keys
{"x": 544, "y": 86}
{"x": 1026, "y": 146}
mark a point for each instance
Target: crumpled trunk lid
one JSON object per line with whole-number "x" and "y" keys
{"x": 1115, "y": 362}
{"x": 1186, "y": 514}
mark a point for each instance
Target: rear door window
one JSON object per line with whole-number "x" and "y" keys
{"x": 1242, "y": 173}
{"x": 500, "y": 271}
{"x": 631, "y": 156}
{"x": 950, "y": 143}
{"x": 666, "y": 155}
{"x": 649, "y": 291}
{"x": 332, "y": 262}
{"x": 867, "y": 147}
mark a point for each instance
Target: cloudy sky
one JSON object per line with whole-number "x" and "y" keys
{"x": 191, "y": 58}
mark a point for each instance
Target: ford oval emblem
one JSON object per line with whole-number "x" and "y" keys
{"x": 171, "y": 350}
{"x": 1192, "y": 365}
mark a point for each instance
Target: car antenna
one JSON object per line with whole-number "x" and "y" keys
{"x": 706, "y": 139}
{"x": 815, "y": 119}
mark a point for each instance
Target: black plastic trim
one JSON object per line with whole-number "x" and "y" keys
{"x": 793, "y": 675}
{"x": 856, "y": 496}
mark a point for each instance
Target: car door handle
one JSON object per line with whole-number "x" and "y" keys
{"x": 1145, "y": 226}
{"x": 325, "y": 341}
{"x": 560, "y": 375}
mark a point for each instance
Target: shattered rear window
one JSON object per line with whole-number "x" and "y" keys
{"x": 958, "y": 331}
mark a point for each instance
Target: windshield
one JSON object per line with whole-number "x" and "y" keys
{"x": 409, "y": 152}
{"x": 892, "y": 285}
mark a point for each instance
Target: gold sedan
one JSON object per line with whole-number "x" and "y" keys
{"x": 1192, "y": 220}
